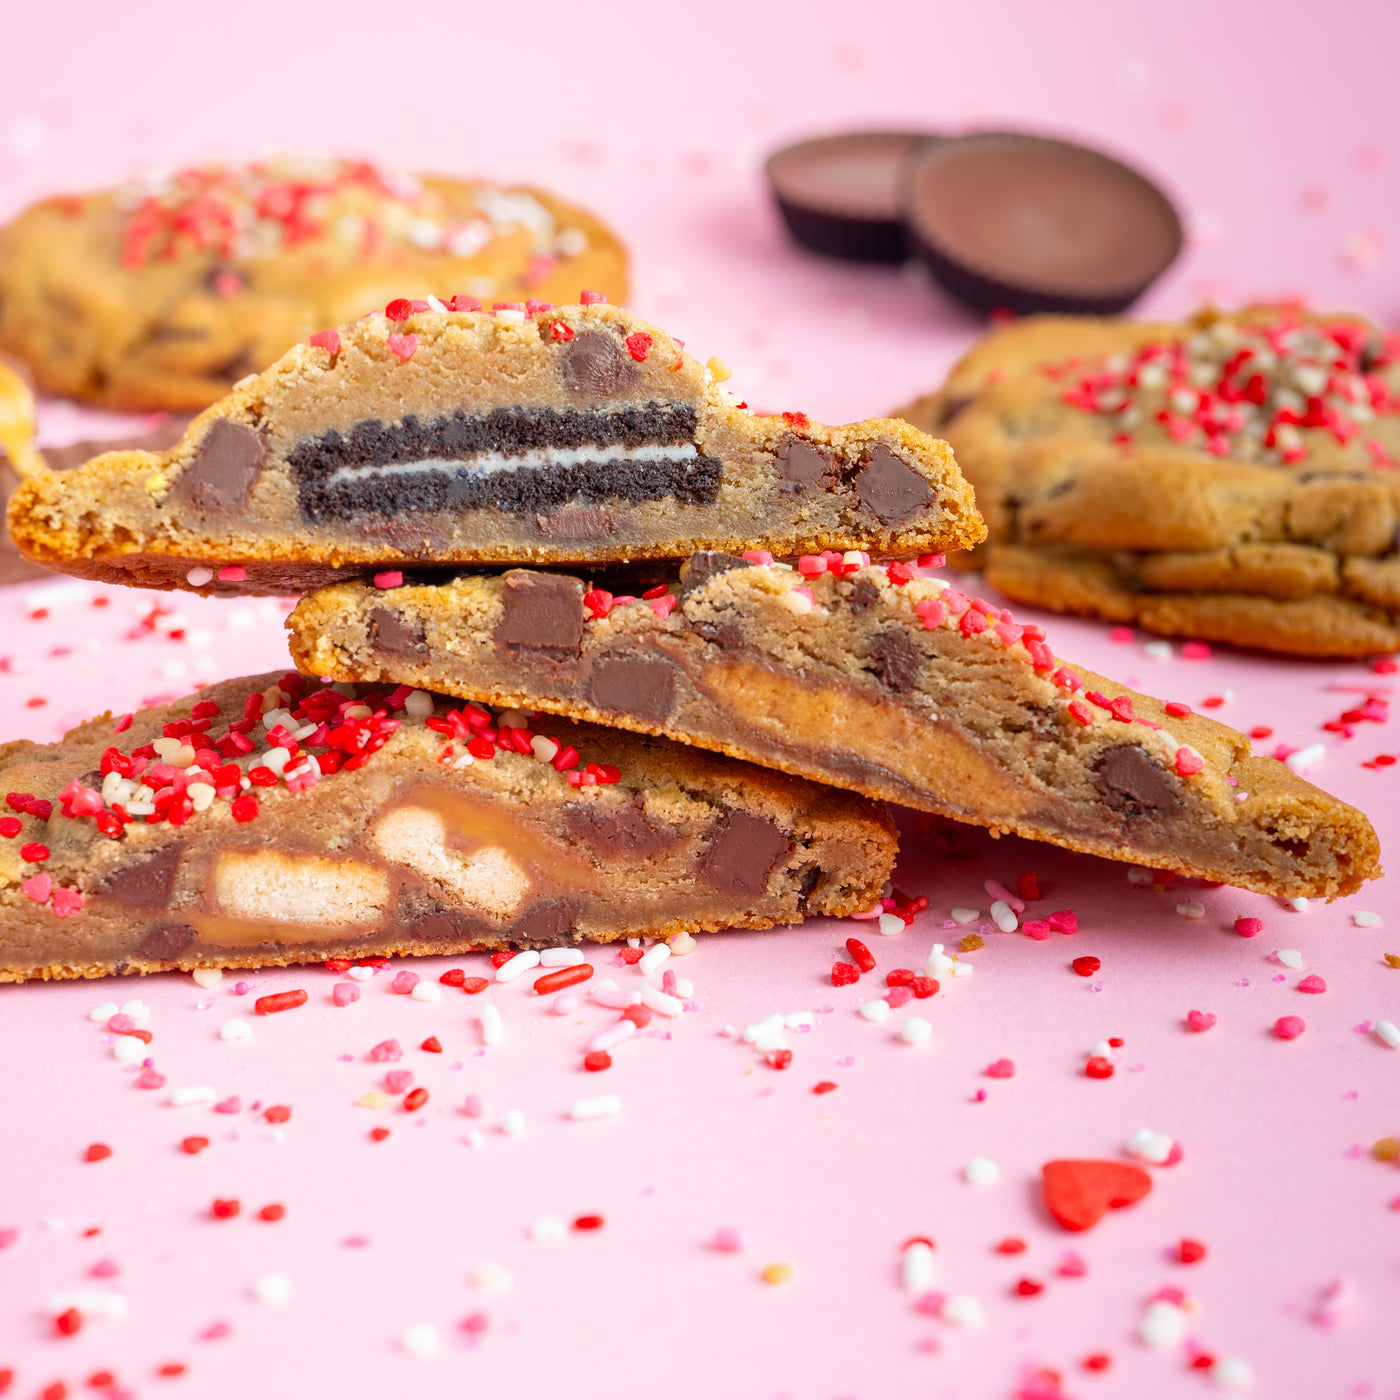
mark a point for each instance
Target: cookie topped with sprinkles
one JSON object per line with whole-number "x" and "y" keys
{"x": 162, "y": 293}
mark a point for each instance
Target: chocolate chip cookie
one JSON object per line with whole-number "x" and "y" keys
{"x": 1234, "y": 477}
{"x": 429, "y": 435}
{"x": 269, "y": 820}
{"x": 161, "y": 294}
{"x": 870, "y": 678}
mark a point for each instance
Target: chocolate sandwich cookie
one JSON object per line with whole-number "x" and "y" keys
{"x": 1233, "y": 477}
{"x": 1008, "y": 221}
{"x": 268, "y": 820}
{"x": 870, "y": 678}
{"x": 163, "y": 293}
{"x": 427, "y": 436}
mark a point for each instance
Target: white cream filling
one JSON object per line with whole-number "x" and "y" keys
{"x": 484, "y": 463}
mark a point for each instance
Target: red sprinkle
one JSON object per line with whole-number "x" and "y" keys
{"x": 224, "y": 1209}
{"x": 279, "y": 1001}
{"x": 193, "y": 1145}
{"x": 501, "y": 957}
{"x": 631, "y": 956}
{"x": 1289, "y": 1027}
{"x": 1190, "y": 1251}
{"x": 1001, "y": 1069}
{"x": 453, "y": 977}
{"x": 825, "y": 1086}
{"x": 472, "y": 985}
{"x": 400, "y": 309}
{"x": 561, "y": 977}
{"x": 597, "y": 1060}
{"x": 843, "y": 974}
{"x": 1028, "y": 886}
{"x": 378, "y": 1134}
{"x": 1097, "y": 1361}
{"x": 68, "y": 1323}
{"x": 278, "y": 1113}
{"x": 588, "y": 1222}
{"x": 171, "y": 1369}
{"x": 1248, "y": 928}
{"x": 587, "y": 298}
{"x": 1028, "y": 1288}
{"x": 1099, "y": 1067}
{"x": 1011, "y": 1245}
{"x": 34, "y": 851}
{"x": 415, "y": 1099}
{"x": 329, "y": 341}
{"x": 558, "y": 330}
{"x": 1177, "y": 710}
{"x": 1086, "y": 967}
{"x": 778, "y": 1059}
{"x": 432, "y": 1045}
{"x": 639, "y": 345}
{"x": 272, "y": 1213}
{"x": 97, "y": 1152}
{"x": 860, "y": 955}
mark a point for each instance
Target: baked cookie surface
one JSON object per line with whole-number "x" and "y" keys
{"x": 425, "y": 436}
{"x": 162, "y": 293}
{"x": 1249, "y": 457}
{"x": 870, "y": 678}
{"x": 269, "y": 821}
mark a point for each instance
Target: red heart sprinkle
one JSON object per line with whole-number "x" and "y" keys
{"x": 1200, "y": 1020}
{"x": 1029, "y": 1287}
{"x": 1190, "y": 1251}
{"x": 1001, "y": 1069}
{"x": 1079, "y": 1193}
{"x": 1086, "y": 967}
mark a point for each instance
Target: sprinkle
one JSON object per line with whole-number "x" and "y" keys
{"x": 1188, "y": 761}
{"x": 491, "y": 1027}
{"x": 1289, "y": 957}
{"x": 272, "y": 1289}
{"x": 235, "y": 1030}
{"x": 1313, "y": 985}
{"x": 890, "y": 924}
{"x": 1200, "y": 1020}
{"x": 97, "y": 1152}
{"x": 606, "y": 1106}
{"x": 1248, "y": 928}
{"x": 1387, "y": 1033}
{"x": 402, "y": 346}
{"x": 1289, "y": 1027}
{"x": 981, "y": 1171}
{"x": 389, "y": 578}
{"x": 1000, "y": 1069}
{"x": 1364, "y": 919}
{"x": 860, "y": 955}
{"x": 965, "y": 916}
{"x": 652, "y": 959}
{"x": 639, "y": 345}
{"x": 518, "y": 965}
{"x": 962, "y": 1310}
{"x": 916, "y": 1266}
{"x": 1307, "y": 758}
{"x": 329, "y": 341}
{"x": 876, "y": 1011}
{"x": 1087, "y": 966}
{"x": 1191, "y": 909}
{"x": 1163, "y": 1324}
{"x": 1003, "y": 916}
{"x": 207, "y": 977}
{"x": 279, "y": 1001}
{"x": 610, "y": 1037}
{"x": 915, "y": 1030}
{"x": 197, "y": 578}
{"x": 421, "y": 1340}
{"x": 1099, "y": 1067}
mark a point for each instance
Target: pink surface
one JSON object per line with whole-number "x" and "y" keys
{"x": 1273, "y": 129}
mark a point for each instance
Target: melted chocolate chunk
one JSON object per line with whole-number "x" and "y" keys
{"x": 545, "y": 925}
{"x": 725, "y": 634}
{"x": 802, "y": 465}
{"x": 392, "y": 635}
{"x": 420, "y": 535}
{"x": 221, "y": 478}
{"x": 596, "y": 364}
{"x": 166, "y": 943}
{"x": 577, "y": 523}
{"x": 633, "y": 685}
{"x": 449, "y": 926}
{"x": 864, "y": 593}
{"x": 743, "y": 853}
{"x": 896, "y": 660}
{"x": 1134, "y": 784}
{"x": 700, "y": 568}
{"x": 889, "y": 488}
{"x": 541, "y": 612}
{"x": 144, "y": 884}
{"x": 617, "y": 830}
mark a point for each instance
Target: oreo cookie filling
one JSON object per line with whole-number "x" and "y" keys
{"x": 517, "y": 460}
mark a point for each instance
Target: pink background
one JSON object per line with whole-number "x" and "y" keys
{"x": 1273, "y": 126}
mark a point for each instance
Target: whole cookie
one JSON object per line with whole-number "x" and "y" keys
{"x": 163, "y": 293}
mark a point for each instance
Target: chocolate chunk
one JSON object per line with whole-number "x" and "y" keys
{"x": 802, "y": 465}
{"x": 725, "y": 634}
{"x": 144, "y": 884}
{"x": 225, "y": 470}
{"x": 1134, "y": 784}
{"x": 542, "y": 612}
{"x": 595, "y": 364}
{"x": 577, "y": 523}
{"x": 449, "y": 926}
{"x": 896, "y": 660}
{"x": 415, "y": 534}
{"x": 166, "y": 943}
{"x": 889, "y": 488}
{"x": 743, "y": 852}
{"x": 546, "y": 925}
{"x": 864, "y": 593}
{"x": 392, "y": 635}
{"x": 641, "y": 686}
{"x": 617, "y": 830}
{"x": 700, "y": 568}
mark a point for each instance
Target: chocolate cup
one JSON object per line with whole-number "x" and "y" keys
{"x": 839, "y": 195}
{"x": 1026, "y": 224}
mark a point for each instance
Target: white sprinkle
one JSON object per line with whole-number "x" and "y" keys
{"x": 606, "y": 1106}
{"x": 1003, "y": 916}
{"x": 794, "y": 1020}
{"x": 548, "y": 1229}
{"x": 876, "y": 1011}
{"x": 137, "y": 1010}
{"x": 421, "y": 1340}
{"x": 1289, "y": 957}
{"x": 520, "y": 963}
{"x": 565, "y": 1004}
{"x": 1388, "y": 1033}
{"x": 653, "y": 958}
{"x": 513, "y": 1124}
{"x": 95, "y": 1304}
{"x": 207, "y": 977}
{"x": 435, "y": 305}
{"x": 661, "y": 1002}
{"x": 915, "y": 1030}
{"x": 1149, "y": 1146}
{"x": 426, "y": 991}
{"x": 235, "y": 1030}
{"x": 1157, "y": 651}
{"x": 492, "y": 1278}
{"x": 965, "y": 916}
{"x": 916, "y": 1267}
{"x": 1163, "y": 1324}
{"x": 513, "y": 318}
{"x": 1232, "y": 1373}
{"x": 127, "y": 1049}
{"x": 1191, "y": 909}
{"x": 197, "y": 578}
{"x": 491, "y": 1028}
{"x": 685, "y": 988}
{"x": 1300, "y": 904}
{"x": 762, "y": 1030}
{"x": 1365, "y": 919}
{"x": 193, "y": 1095}
{"x": 796, "y": 601}
{"x": 201, "y": 796}
{"x": 544, "y": 748}
{"x": 419, "y": 704}
{"x": 1102, "y": 1049}
{"x": 474, "y": 1138}
{"x": 1306, "y": 758}
{"x": 103, "y": 1012}
{"x": 962, "y": 1310}
{"x": 981, "y": 1171}
{"x": 1138, "y": 876}
{"x": 561, "y": 957}
{"x": 360, "y": 974}
{"x": 890, "y": 924}
{"x": 272, "y": 1289}
{"x": 610, "y": 1037}
{"x": 614, "y": 999}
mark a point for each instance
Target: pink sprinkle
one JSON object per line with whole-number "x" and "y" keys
{"x": 232, "y": 1104}
{"x": 38, "y": 887}
{"x": 216, "y": 1332}
{"x": 387, "y": 1050}
{"x": 120, "y": 1024}
{"x": 1313, "y": 984}
{"x": 105, "y": 1268}
{"x": 397, "y": 1080}
{"x": 403, "y": 345}
{"x": 345, "y": 993}
{"x": 1001, "y": 1069}
{"x": 1249, "y": 928}
{"x": 66, "y": 902}
{"x": 390, "y": 578}
{"x": 999, "y": 891}
{"x": 405, "y": 982}
{"x": 1195, "y": 651}
{"x": 758, "y": 556}
{"x": 233, "y": 573}
{"x": 1200, "y": 1020}
{"x": 1121, "y": 634}
{"x": 474, "y": 1106}
{"x": 930, "y": 610}
{"x": 1170, "y": 1295}
{"x": 123, "y": 724}
{"x": 1188, "y": 761}
{"x": 662, "y": 606}
{"x": 897, "y": 996}
{"x": 150, "y": 1079}
{"x": 329, "y": 341}
{"x": 1072, "y": 1265}
{"x": 1039, "y": 929}
{"x": 980, "y": 1096}
{"x": 1064, "y": 921}
{"x": 1289, "y": 1027}
{"x": 587, "y": 298}
{"x": 668, "y": 982}
{"x": 727, "y": 1241}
